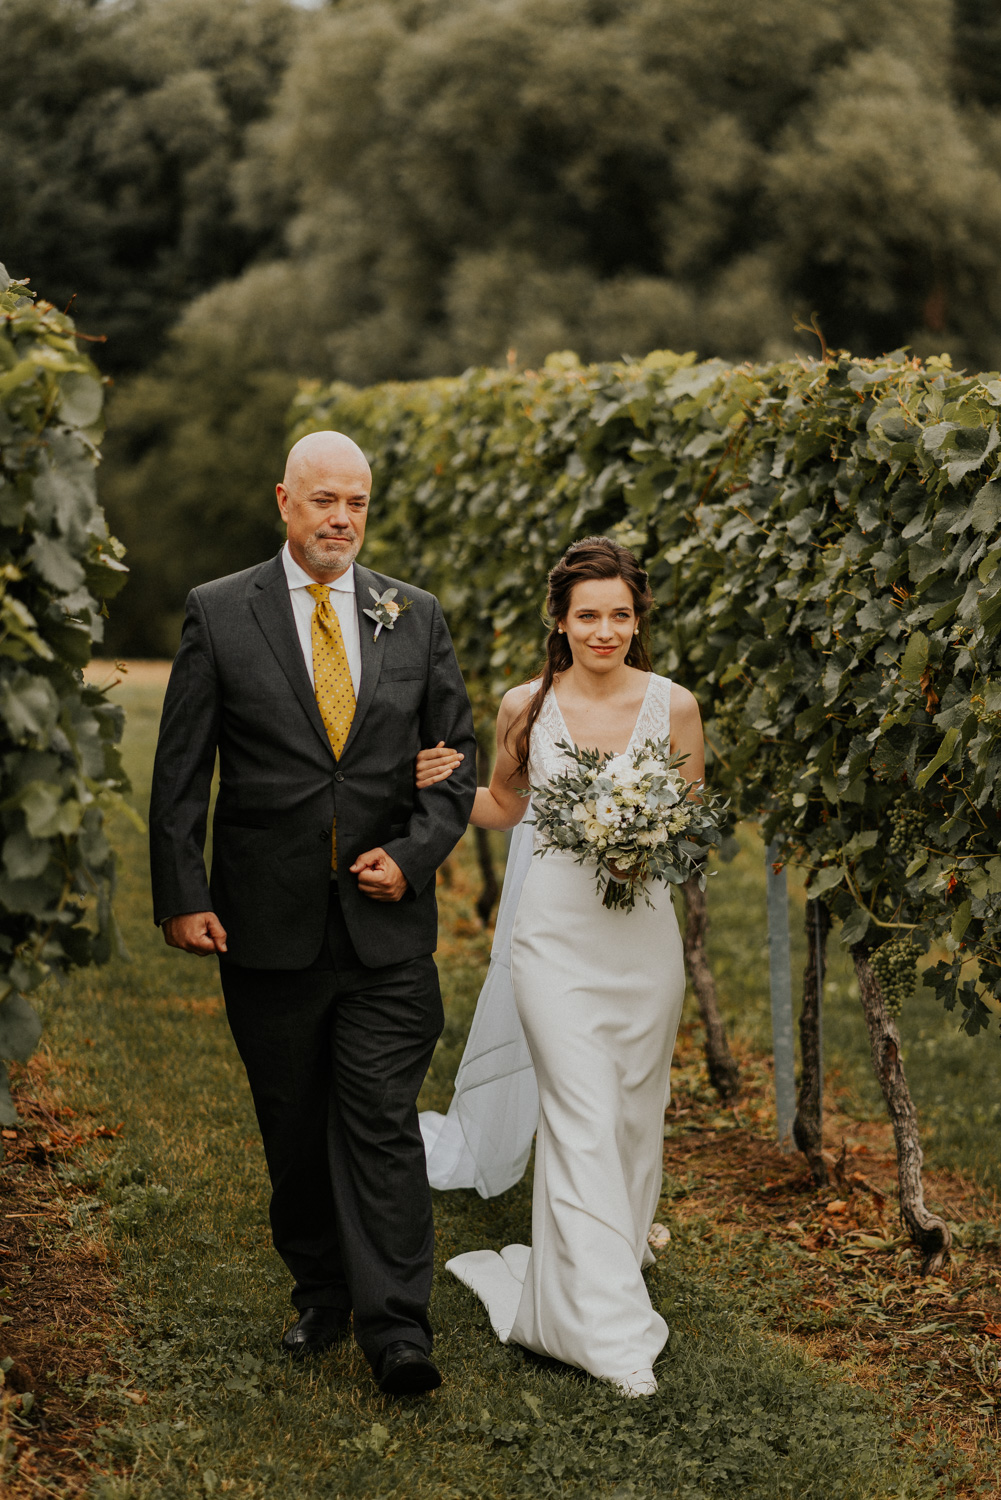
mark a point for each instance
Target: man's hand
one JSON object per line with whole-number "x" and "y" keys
{"x": 379, "y": 876}
{"x": 436, "y": 764}
{"x": 198, "y": 932}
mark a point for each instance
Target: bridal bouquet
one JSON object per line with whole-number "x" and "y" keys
{"x": 631, "y": 815}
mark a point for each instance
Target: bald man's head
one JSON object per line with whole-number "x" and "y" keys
{"x": 323, "y": 499}
{"x": 321, "y": 453}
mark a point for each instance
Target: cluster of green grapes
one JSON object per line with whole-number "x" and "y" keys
{"x": 991, "y": 716}
{"x": 895, "y": 965}
{"x": 908, "y": 825}
{"x": 728, "y": 722}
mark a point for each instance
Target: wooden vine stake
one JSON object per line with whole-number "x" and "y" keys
{"x": 724, "y": 1074}
{"x": 929, "y": 1232}
{"x": 780, "y": 980}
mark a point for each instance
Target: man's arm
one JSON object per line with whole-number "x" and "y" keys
{"x": 182, "y": 781}
{"x": 441, "y": 812}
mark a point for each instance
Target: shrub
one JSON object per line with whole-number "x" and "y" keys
{"x": 58, "y": 736}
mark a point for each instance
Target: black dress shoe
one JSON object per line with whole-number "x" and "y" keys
{"x": 404, "y": 1370}
{"x": 316, "y": 1330}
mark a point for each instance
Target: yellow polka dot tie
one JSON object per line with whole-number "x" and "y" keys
{"x": 335, "y": 695}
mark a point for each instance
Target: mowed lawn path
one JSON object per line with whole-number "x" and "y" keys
{"x": 741, "y": 1411}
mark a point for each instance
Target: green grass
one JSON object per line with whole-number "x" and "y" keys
{"x": 739, "y": 1413}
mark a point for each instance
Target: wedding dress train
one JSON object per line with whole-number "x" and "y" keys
{"x": 599, "y": 995}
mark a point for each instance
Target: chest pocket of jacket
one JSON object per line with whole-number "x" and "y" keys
{"x": 401, "y": 674}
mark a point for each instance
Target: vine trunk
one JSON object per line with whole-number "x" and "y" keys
{"x": 807, "y": 1127}
{"x": 929, "y": 1232}
{"x": 723, "y": 1072}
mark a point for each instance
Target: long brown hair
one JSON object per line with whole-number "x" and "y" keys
{"x": 595, "y": 557}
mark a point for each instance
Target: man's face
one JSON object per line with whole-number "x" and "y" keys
{"x": 325, "y": 509}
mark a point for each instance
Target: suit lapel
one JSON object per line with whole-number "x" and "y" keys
{"x": 272, "y": 609}
{"x": 372, "y": 652}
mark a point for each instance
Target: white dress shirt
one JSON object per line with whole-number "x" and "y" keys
{"x": 342, "y": 597}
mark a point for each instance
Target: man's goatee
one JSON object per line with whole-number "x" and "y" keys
{"x": 319, "y": 558}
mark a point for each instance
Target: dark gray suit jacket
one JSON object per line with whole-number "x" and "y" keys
{"x": 239, "y": 686}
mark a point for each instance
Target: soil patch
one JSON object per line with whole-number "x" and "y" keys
{"x": 846, "y": 1283}
{"x": 57, "y": 1301}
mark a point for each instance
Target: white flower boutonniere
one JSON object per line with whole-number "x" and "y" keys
{"x": 386, "y": 611}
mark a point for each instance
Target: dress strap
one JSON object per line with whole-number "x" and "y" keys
{"x": 654, "y": 722}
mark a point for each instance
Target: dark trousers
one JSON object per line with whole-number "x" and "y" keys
{"x": 336, "y": 1055}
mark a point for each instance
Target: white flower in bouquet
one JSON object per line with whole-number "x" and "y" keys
{"x": 606, "y": 810}
{"x": 623, "y": 771}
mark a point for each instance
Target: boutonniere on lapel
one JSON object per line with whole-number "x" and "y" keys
{"x": 386, "y": 611}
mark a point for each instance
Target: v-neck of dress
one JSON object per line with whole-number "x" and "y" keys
{"x": 639, "y": 716}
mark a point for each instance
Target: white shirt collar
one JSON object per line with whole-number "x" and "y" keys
{"x": 298, "y": 578}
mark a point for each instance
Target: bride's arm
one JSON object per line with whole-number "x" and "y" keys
{"x": 686, "y": 734}
{"x": 499, "y": 805}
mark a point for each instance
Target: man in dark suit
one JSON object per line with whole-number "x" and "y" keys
{"x": 321, "y": 903}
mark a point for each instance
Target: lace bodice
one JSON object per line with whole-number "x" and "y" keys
{"x": 545, "y": 761}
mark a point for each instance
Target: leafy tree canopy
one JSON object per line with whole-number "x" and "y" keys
{"x": 120, "y": 124}
{"x": 464, "y": 176}
{"x": 191, "y": 460}
{"x": 410, "y": 187}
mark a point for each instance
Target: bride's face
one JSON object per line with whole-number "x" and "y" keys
{"x": 600, "y": 623}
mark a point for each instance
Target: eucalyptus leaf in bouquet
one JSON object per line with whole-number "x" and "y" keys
{"x": 635, "y": 816}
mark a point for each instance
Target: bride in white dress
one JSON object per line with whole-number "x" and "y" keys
{"x": 598, "y": 991}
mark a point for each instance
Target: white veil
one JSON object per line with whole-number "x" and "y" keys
{"x": 485, "y": 1139}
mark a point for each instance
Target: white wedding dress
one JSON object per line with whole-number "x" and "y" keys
{"x": 599, "y": 993}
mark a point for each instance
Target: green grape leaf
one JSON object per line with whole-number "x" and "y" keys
{"x": 915, "y": 658}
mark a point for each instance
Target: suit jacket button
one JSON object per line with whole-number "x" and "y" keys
{"x": 338, "y": 775}
{"x": 324, "y": 835}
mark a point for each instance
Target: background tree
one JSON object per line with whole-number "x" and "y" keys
{"x": 192, "y": 457}
{"x": 120, "y": 125}
{"x": 465, "y": 177}
{"x": 398, "y": 189}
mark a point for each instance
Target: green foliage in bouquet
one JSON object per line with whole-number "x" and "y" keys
{"x": 59, "y": 760}
{"x": 824, "y": 544}
{"x": 632, "y": 817}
